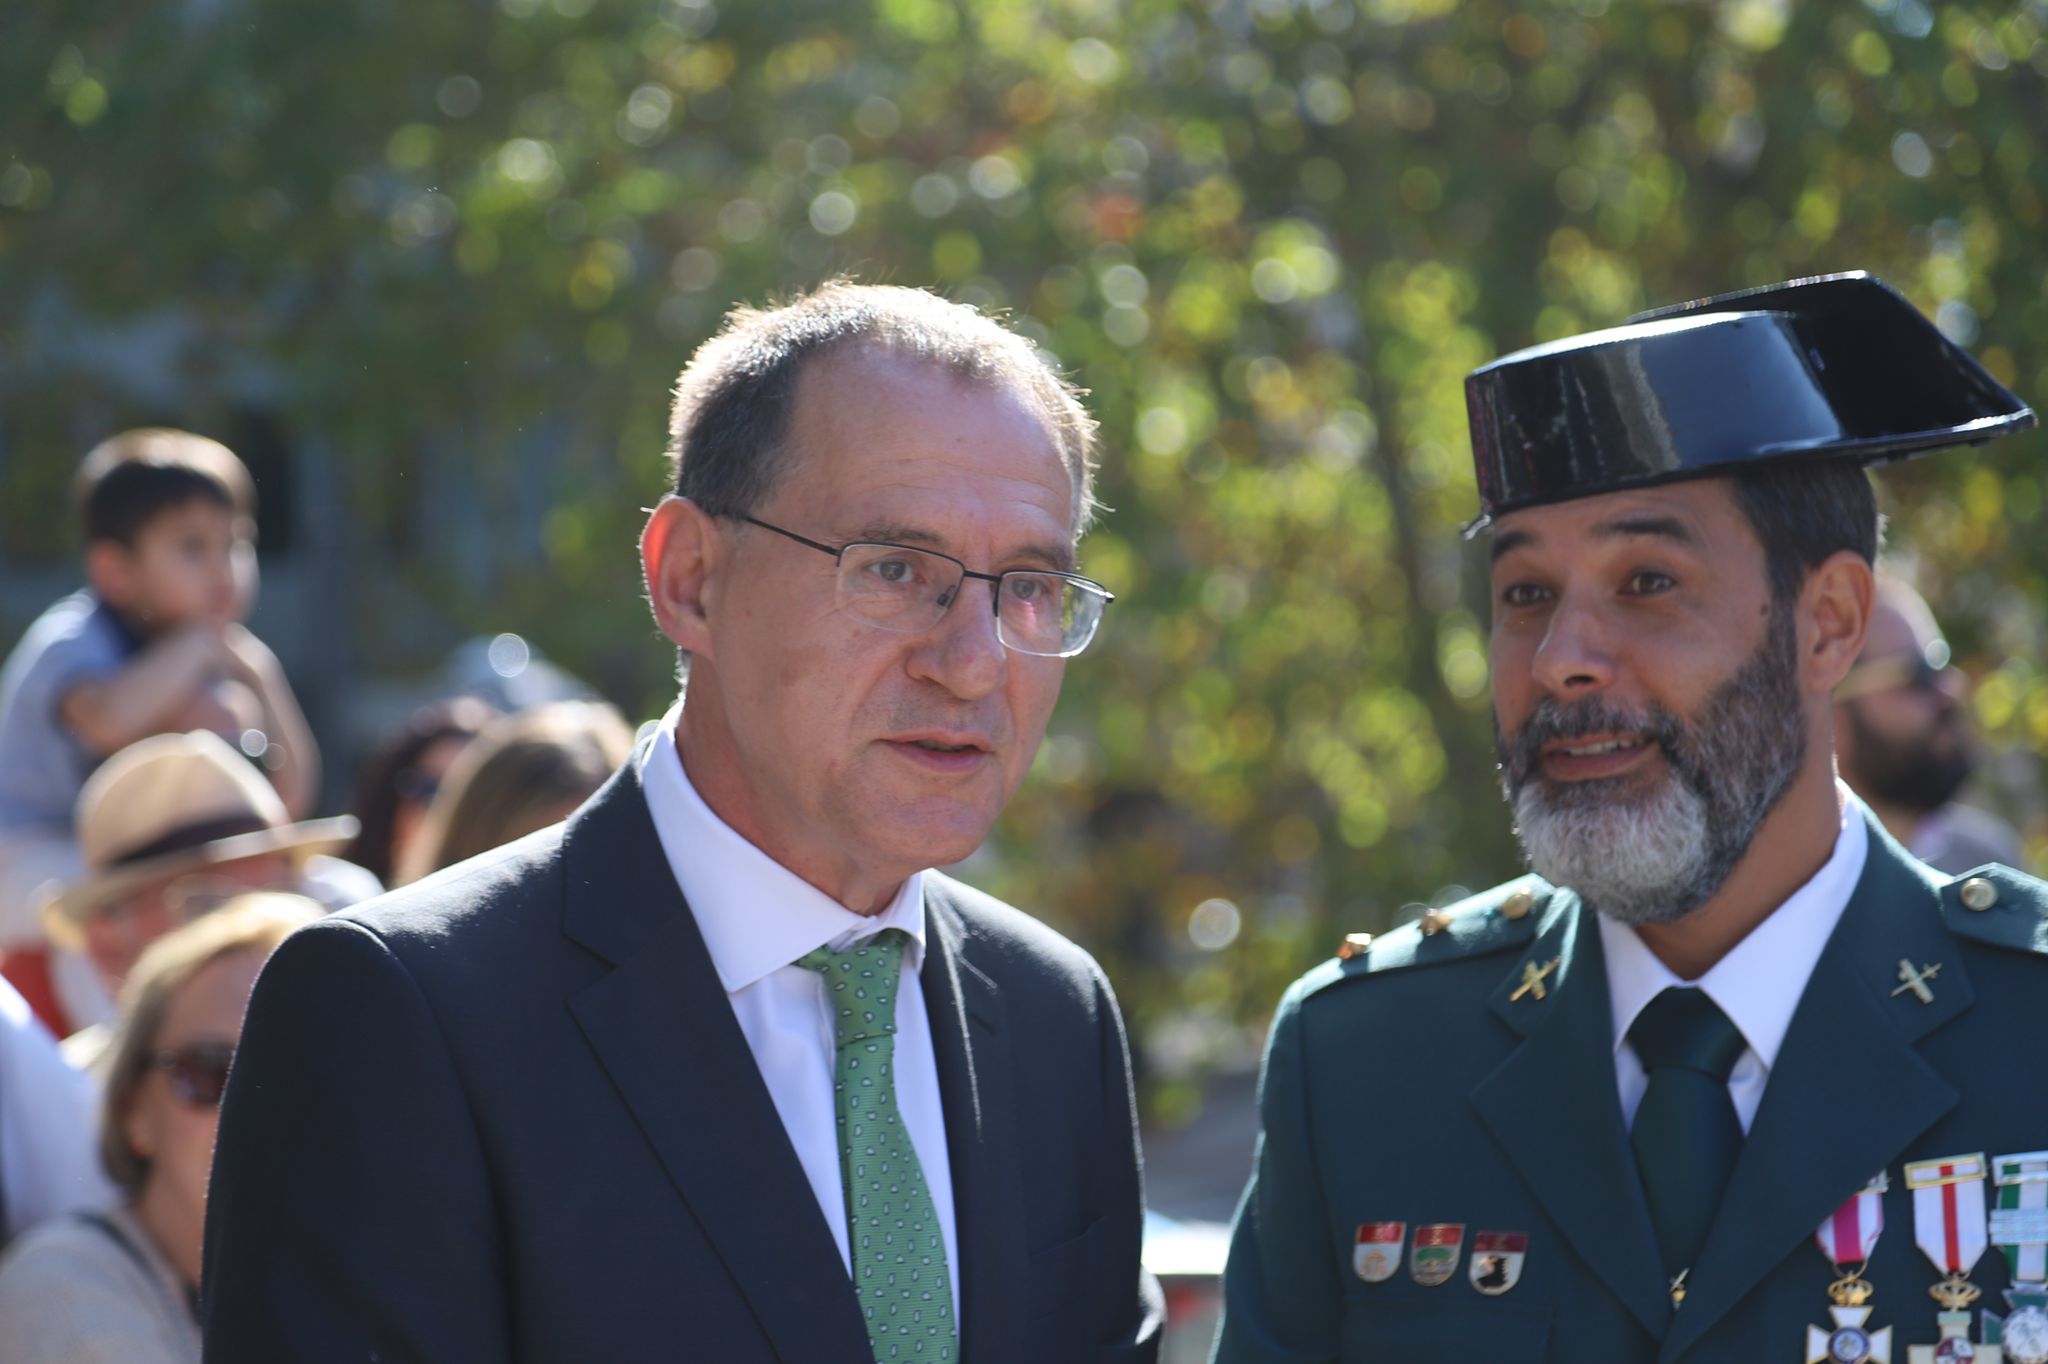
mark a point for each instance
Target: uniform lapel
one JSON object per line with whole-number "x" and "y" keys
{"x": 1553, "y": 1108}
{"x": 1848, "y": 1094}
{"x": 969, "y": 1049}
{"x": 665, "y": 1034}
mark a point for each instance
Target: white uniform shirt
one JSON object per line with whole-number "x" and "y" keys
{"x": 1759, "y": 982}
{"x": 758, "y": 918}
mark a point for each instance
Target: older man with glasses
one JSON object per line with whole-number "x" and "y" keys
{"x": 722, "y": 1069}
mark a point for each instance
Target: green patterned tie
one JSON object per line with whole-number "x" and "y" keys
{"x": 899, "y": 1253}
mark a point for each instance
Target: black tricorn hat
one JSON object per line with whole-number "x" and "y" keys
{"x": 1837, "y": 366}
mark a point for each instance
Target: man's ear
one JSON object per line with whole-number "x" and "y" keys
{"x": 1834, "y": 616}
{"x": 681, "y": 551}
{"x": 108, "y": 571}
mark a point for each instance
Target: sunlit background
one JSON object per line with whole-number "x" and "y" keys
{"x": 430, "y": 268}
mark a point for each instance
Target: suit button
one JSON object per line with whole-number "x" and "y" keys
{"x": 1518, "y": 905}
{"x": 1978, "y": 893}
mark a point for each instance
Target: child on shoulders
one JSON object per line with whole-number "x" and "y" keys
{"x": 154, "y": 644}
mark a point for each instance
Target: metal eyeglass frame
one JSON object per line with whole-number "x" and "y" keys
{"x": 995, "y": 596}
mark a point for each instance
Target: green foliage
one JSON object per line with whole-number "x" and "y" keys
{"x": 1270, "y": 236}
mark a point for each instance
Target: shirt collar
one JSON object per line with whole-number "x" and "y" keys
{"x": 1759, "y": 982}
{"x": 756, "y": 915}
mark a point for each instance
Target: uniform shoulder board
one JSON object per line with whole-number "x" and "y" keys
{"x": 1491, "y": 921}
{"x": 1997, "y": 905}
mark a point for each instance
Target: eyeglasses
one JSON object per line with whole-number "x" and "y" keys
{"x": 896, "y": 587}
{"x": 198, "y": 1071}
{"x": 1927, "y": 671}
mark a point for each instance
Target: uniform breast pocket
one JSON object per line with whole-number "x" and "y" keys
{"x": 1453, "y": 1333}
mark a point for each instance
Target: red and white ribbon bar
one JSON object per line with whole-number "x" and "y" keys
{"x": 1948, "y": 1210}
{"x": 1848, "y": 1237}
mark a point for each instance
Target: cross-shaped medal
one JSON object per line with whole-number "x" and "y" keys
{"x": 1916, "y": 981}
{"x": 1532, "y": 979}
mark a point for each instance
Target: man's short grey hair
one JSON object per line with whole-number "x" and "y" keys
{"x": 733, "y": 400}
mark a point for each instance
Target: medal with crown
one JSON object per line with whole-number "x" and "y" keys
{"x": 1847, "y": 1238}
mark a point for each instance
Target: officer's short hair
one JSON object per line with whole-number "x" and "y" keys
{"x": 1805, "y": 510}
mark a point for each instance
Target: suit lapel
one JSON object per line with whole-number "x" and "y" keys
{"x": 664, "y": 1032}
{"x": 1553, "y": 1108}
{"x": 969, "y": 1049}
{"x": 1848, "y": 1094}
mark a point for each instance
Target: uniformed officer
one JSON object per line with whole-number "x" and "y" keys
{"x": 1730, "y": 1077}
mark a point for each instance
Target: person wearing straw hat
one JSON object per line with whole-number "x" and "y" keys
{"x": 1719, "y": 1079}
{"x": 168, "y": 828}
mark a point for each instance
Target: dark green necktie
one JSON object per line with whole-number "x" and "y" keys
{"x": 892, "y": 1228}
{"x": 1686, "y": 1134}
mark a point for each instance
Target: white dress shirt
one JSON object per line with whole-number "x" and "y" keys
{"x": 1759, "y": 982}
{"x": 758, "y": 918}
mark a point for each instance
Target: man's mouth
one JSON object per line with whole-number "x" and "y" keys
{"x": 1594, "y": 750}
{"x": 945, "y": 752}
{"x": 1592, "y": 757}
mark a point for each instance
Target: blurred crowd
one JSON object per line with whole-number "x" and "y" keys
{"x": 157, "y": 840}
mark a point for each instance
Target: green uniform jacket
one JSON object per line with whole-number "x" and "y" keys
{"x": 1408, "y": 1084}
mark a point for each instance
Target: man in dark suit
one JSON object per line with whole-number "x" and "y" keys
{"x": 1631, "y": 1108}
{"x": 720, "y": 1069}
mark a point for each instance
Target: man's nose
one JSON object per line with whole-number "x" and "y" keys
{"x": 1576, "y": 655}
{"x": 964, "y": 651}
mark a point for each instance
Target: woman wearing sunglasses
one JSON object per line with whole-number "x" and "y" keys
{"x": 121, "y": 1285}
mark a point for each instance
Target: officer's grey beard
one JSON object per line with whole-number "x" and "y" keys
{"x": 1653, "y": 856}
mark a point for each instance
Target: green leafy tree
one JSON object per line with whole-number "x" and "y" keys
{"x": 469, "y": 245}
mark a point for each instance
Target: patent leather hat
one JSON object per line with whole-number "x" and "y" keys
{"x": 1833, "y": 367}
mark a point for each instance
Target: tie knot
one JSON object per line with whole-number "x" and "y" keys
{"x": 1682, "y": 1027}
{"x": 860, "y": 985}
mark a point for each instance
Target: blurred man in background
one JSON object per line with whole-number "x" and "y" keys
{"x": 1903, "y": 739}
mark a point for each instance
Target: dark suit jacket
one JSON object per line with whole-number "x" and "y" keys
{"x": 507, "y": 1114}
{"x": 1409, "y": 1084}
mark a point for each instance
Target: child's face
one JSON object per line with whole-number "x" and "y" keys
{"x": 189, "y": 563}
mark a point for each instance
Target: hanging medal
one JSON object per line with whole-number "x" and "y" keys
{"x": 2019, "y": 1228}
{"x": 1949, "y": 1228}
{"x": 1847, "y": 1239}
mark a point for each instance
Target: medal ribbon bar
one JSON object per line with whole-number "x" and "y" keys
{"x": 1848, "y": 1237}
{"x": 1948, "y": 1210}
{"x": 2019, "y": 1224}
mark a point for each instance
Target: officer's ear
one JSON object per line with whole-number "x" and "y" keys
{"x": 681, "y": 551}
{"x": 1834, "y": 614}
